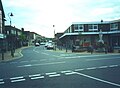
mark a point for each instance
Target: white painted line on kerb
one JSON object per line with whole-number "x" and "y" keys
{"x": 54, "y": 75}
{"x": 101, "y": 80}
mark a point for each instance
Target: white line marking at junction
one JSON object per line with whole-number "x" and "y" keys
{"x": 113, "y": 65}
{"x": 79, "y": 69}
{"x": 51, "y": 73}
{"x": 101, "y": 80}
{"x": 2, "y": 83}
{"x": 91, "y": 68}
{"x": 39, "y": 77}
{"x": 34, "y": 75}
{"x": 67, "y": 71}
{"x": 103, "y": 67}
{"x": 30, "y": 65}
{"x": 70, "y": 73}
{"x": 54, "y": 75}
{"x": 16, "y": 78}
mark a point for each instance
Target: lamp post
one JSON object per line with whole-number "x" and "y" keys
{"x": 12, "y": 47}
{"x": 10, "y": 15}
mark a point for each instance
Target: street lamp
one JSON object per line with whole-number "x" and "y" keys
{"x": 12, "y": 39}
{"x": 10, "y": 15}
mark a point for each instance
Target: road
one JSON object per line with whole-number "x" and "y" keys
{"x": 41, "y": 68}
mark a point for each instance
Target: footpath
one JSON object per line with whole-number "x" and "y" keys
{"x": 8, "y": 57}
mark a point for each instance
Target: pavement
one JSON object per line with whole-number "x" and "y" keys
{"x": 8, "y": 57}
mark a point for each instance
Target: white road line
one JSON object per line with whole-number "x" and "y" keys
{"x": 79, "y": 69}
{"x": 67, "y": 71}
{"x": 20, "y": 77}
{"x": 53, "y": 63}
{"x": 102, "y": 59}
{"x": 101, "y": 80}
{"x": 113, "y": 65}
{"x": 18, "y": 80}
{"x": 35, "y": 75}
{"x": 103, "y": 67}
{"x": 24, "y": 61}
{"x": 2, "y": 83}
{"x": 92, "y": 68}
{"x": 54, "y": 75}
{"x": 39, "y": 77}
{"x": 70, "y": 73}
{"x": 45, "y": 53}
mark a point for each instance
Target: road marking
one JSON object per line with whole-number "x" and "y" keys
{"x": 51, "y": 73}
{"x": 35, "y": 75}
{"x": 31, "y": 65}
{"x": 101, "y": 80}
{"x": 102, "y": 59}
{"x": 92, "y": 68}
{"x": 79, "y": 69}
{"x": 1, "y": 81}
{"x": 103, "y": 67}
{"x": 67, "y": 71}
{"x": 45, "y": 53}
{"x": 17, "y": 79}
{"x": 113, "y": 65}
{"x": 39, "y": 77}
{"x": 54, "y": 75}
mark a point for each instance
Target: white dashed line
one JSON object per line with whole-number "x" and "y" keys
{"x": 103, "y": 67}
{"x": 67, "y": 71}
{"x": 101, "y": 80}
{"x": 51, "y": 73}
{"x": 17, "y": 79}
{"x": 113, "y": 65}
{"x": 92, "y": 68}
{"x": 1, "y": 81}
{"x": 79, "y": 69}
{"x": 54, "y": 75}
{"x": 35, "y": 75}
{"x": 70, "y": 73}
{"x": 39, "y": 77}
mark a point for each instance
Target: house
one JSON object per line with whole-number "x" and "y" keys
{"x": 2, "y": 23}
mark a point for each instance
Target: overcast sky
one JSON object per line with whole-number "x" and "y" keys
{"x": 40, "y": 15}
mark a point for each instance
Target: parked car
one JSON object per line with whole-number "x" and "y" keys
{"x": 50, "y": 46}
{"x": 37, "y": 44}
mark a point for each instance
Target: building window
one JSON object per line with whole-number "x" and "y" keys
{"x": 93, "y": 27}
{"x": 114, "y": 26}
{"x": 78, "y": 27}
